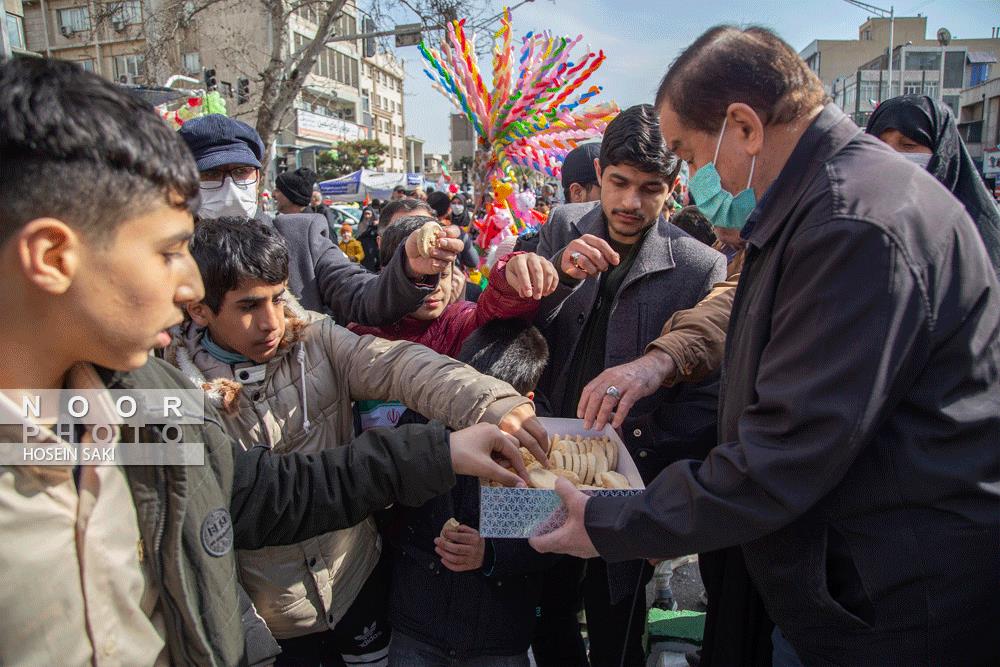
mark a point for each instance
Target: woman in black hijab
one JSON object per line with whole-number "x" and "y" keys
{"x": 924, "y": 131}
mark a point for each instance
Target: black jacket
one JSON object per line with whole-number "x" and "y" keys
{"x": 191, "y": 518}
{"x": 369, "y": 244}
{"x": 481, "y": 613}
{"x": 671, "y": 272}
{"x": 325, "y": 281}
{"x": 860, "y": 416}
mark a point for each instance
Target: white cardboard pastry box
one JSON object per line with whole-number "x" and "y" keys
{"x": 522, "y": 513}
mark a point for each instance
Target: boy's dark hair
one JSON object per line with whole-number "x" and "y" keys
{"x": 439, "y": 202}
{"x": 395, "y": 234}
{"x": 80, "y": 149}
{"x": 634, "y": 138}
{"x": 510, "y": 350}
{"x": 230, "y": 250}
{"x": 750, "y": 65}
{"x": 694, "y": 222}
{"x": 409, "y": 205}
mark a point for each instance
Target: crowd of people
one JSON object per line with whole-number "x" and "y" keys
{"x": 800, "y": 350}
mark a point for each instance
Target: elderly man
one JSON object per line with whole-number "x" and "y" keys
{"x": 858, "y": 460}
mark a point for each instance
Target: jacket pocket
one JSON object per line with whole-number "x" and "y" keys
{"x": 841, "y": 591}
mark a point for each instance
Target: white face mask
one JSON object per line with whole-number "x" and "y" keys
{"x": 230, "y": 199}
{"x": 919, "y": 159}
{"x": 457, "y": 209}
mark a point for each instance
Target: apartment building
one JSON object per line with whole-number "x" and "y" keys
{"x": 382, "y": 80}
{"x": 463, "y": 138}
{"x": 979, "y": 125}
{"x": 12, "y": 38}
{"x": 414, "y": 155}
{"x": 856, "y": 72}
{"x": 345, "y": 96}
{"x": 102, "y": 37}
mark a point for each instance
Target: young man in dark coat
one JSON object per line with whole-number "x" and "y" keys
{"x": 624, "y": 270}
{"x": 138, "y": 560}
{"x": 859, "y": 423}
{"x": 228, "y": 153}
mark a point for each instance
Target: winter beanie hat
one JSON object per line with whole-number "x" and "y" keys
{"x": 297, "y": 185}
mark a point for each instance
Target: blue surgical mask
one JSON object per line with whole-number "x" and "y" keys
{"x": 919, "y": 159}
{"x": 718, "y": 205}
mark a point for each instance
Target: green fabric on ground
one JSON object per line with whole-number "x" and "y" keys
{"x": 683, "y": 625}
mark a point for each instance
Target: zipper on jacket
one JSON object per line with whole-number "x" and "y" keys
{"x": 161, "y": 529}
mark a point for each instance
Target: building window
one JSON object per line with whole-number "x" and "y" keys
{"x": 931, "y": 89}
{"x": 867, "y": 36}
{"x": 954, "y": 69}
{"x": 345, "y": 25}
{"x": 191, "y": 62}
{"x": 74, "y": 19}
{"x": 128, "y": 69}
{"x": 979, "y": 72}
{"x": 15, "y": 30}
{"x": 923, "y": 60}
{"x": 128, "y": 12}
{"x": 87, "y": 64}
{"x": 869, "y": 91}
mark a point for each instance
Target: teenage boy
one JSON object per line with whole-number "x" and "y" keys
{"x": 286, "y": 377}
{"x": 135, "y": 565}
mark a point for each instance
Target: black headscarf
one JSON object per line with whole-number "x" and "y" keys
{"x": 925, "y": 121}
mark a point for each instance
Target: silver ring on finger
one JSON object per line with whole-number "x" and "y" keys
{"x": 613, "y": 392}
{"x": 574, "y": 258}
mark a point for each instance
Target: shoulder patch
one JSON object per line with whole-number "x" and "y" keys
{"x": 217, "y": 532}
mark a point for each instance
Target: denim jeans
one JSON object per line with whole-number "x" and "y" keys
{"x": 784, "y": 654}
{"x": 405, "y": 651}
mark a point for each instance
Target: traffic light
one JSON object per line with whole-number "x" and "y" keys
{"x": 368, "y": 27}
{"x": 242, "y": 90}
{"x": 211, "y": 82}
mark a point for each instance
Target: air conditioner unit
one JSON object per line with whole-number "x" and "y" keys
{"x": 66, "y": 31}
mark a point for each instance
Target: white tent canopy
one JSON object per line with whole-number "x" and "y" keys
{"x": 367, "y": 184}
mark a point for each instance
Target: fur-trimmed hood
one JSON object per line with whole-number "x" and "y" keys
{"x": 218, "y": 379}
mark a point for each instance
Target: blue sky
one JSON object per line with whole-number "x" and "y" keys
{"x": 640, "y": 38}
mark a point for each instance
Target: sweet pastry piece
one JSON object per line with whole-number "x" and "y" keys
{"x": 427, "y": 237}
{"x": 540, "y": 478}
{"x": 450, "y": 524}
{"x": 613, "y": 480}
{"x": 583, "y": 461}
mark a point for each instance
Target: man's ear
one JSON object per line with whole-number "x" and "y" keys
{"x": 49, "y": 253}
{"x": 597, "y": 168}
{"x": 200, "y": 313}
{"x": 750, "y": 129}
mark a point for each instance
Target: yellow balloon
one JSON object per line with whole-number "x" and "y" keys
{"x": 502, "y": 190}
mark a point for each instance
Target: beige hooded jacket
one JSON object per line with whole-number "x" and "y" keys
{"x": 300, "y": 401}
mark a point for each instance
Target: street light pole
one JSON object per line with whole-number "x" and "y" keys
{"x": 892, "y": 24}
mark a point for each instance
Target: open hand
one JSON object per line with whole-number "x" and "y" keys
{"x": 570, "y": 538}
{"x": 485, "y": 451}
{"x": 531, "y": 276}
{"x": 634, "y": 381}
{"x": 461, "y": 549}
{"x": 522, "y": 423}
